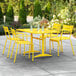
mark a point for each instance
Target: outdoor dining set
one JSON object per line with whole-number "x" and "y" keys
{"x": 55, "y": 34}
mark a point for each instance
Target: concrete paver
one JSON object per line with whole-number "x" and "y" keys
{"x": 64, "y": 65}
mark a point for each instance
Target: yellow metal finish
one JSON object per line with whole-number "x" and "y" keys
{"x": 24, "y": 49}
{"x": 8, "y": 37}
{"x": 12, "y": 50}
{"x": 72, "y": 47}
{"x": 29, "y": 51}
{"x": 4, "y": 47}
{"x": 53, "y": 45}
{"x": 42, "y": 43}
{"x": 16, "y": 53}
{"x": 33, "y": 53}
{"x": 18, "y": 42}
{"x": 58, "y": 48}
{"x": 49, "y": 46}
{"x": 32, "y": 45}
{"x": 43, "y": 52}
{"x": 61, "y": 47}
{"x": 9, "y": 49}
{"x": 45, "y": 45}
{"x": 67, "y": 29}
{"x": 20, "y": 49}
{"x": 35, "y": 31}
{"x": 55, "y": 29}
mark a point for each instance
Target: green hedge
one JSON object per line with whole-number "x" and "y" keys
{"x": 1, "y": 16}
{"x": 22, "y": 13}
{"x": 37, "y": 9}
{"x": 10, "y": 14}
{"x": 25, "y": 26}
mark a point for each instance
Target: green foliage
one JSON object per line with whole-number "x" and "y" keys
{"x": 24, "y": 26}
{"x": 22, "y": 13}
{"x": 47, "y": 11}
{"x": 1, "y": 16}
{"x": 74, "y": 34}
{"x": 1, "y": 30}
{"x": 37, "y": 9}
{"x": 35, "y": 21}
{"x": 1, "y": 0}
{"x": 58, "y": 11}
{"x": 10, "y": 14}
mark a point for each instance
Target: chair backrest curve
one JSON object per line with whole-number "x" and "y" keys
{"x": 7, "y": 31}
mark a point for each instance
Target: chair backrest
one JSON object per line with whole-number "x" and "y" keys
{"x": 7, "y": 32}
{"x": 67, "y": 29}
{"x": 13, "y": 32}
{"x": 57, "y": 27}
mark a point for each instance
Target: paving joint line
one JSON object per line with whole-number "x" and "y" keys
{"x": 44, "y": 70}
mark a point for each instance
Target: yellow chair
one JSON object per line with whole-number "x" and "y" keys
{"x": 19, "y": 42}
{"x": 21, "y": 34}
{"x": 56, "y": 28}
{"x": 67, "y": 29}
{"x": 8, "y": 37}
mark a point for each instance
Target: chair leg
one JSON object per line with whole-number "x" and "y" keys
{"x": 4, "y": 47}
{"x": 61, "y": 47}
{"x": 12, "y": 50}
{"x": 26, "y": 38}
{"x": 9, "y": 49}
{"x": 72, "y": 47}
{"x": 29, "y": 50}
{"x": 39, "y": 44}
{"x": 53, "y": 45}
{"x": 16, "y": 53}
{"x": 49, "y": 46}
{"x": 45, "y": 45}
{"x": 58, "y": 48}
{"x": 24, "y": 50}
{"x": 20, "y": 49}
{"x": 33, "y": 54}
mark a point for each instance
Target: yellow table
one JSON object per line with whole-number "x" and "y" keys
{"x": 35, "y": 31}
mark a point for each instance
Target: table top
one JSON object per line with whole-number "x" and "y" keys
{"x": 35, "y": 31}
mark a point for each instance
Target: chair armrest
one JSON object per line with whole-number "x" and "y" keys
{"x": 19, "y": 33}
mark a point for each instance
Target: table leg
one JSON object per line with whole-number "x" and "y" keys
{"x": 42, "y": 55}
{"x": 31, "y": 47}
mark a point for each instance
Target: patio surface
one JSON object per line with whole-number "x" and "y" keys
{"x": 64, "y": 65}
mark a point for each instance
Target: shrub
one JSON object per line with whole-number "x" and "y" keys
{"x": 16, "y": 24}
{"x": 1, "y": 30}
{"x": 47, "y": 11}
{"x": 74, "y": 30}
{"x": 37, "y": 9}
{"x": 35, "y": 21}
{"x": 1, "y": 16}
{"x": 22, "y": 13}
{"x": 24, "y": 26}
{"x": 9, "y": 14}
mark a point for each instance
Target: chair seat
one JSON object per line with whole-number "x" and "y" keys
{"x": 15, "y": 39}
{"x": 23, "y": 42}
{"x": 56, "y": 39}
{"x": 49, "y": 35}
{"x": 65, "y": 38}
